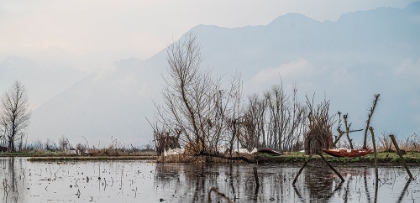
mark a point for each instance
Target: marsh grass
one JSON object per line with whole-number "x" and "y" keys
{"x": 408, "y": 144}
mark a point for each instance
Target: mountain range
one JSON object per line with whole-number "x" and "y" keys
{"x": 347, "y": 62}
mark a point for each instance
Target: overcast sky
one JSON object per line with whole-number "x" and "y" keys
{"x": 88, "y": 35}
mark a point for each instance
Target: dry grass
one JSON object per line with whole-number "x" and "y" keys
{"x": 409, "y": 144}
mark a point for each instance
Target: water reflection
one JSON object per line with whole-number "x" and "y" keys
{"x": 12, "y": 182}
{"x": 134, "y": 181}
{"x": 317, "y": 184}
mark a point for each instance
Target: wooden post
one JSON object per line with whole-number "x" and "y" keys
{"x": 374, "y": 153}
{"x": 301, "y": 169}
{"x": 402, "y": 158}
{"x": 331, "y": 167}
{"x": 257, "y": 182}
{"x": 403, "y": 191}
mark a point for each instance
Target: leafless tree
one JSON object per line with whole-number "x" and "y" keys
{"x": 296, "y": 126}
{"x": 194, "y": 102}
{"x": 234, "y": 117}
{"x": 208, "y": 116}
{"x": 319, "y": 129}
{"x": 22, "y": 141}
{"x": 14, "y": 114}
{"x": 50, "y": 145}
{"x": 274, "y": 120}
{"x": 254, "y": 122}
{"x": 278, "y": 107}
{"x": 285, "y": 119}
{"x": 37, "y": 145}
{"x": 371, "y": 111}
{"x": 63, "y": 143}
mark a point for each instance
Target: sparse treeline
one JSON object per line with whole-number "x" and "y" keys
{"x": 207, "y": 119}
{"x": 63, "y": 144}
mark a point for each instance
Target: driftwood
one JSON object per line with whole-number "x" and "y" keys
{"x": 402, "y": 158}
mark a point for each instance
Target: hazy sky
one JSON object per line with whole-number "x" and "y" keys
{"x": 88, "y": 35}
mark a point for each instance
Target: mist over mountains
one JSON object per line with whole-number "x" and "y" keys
{"x": 43, "y": 80}
{"x": 348, "y": 61}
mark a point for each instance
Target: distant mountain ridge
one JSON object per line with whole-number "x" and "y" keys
{"x": 363, "y": 53}
{"x": 42, "y": 80}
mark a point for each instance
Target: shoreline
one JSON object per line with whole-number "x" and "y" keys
{"x": 383, "y": 158}
{"x": 360, "y": 161}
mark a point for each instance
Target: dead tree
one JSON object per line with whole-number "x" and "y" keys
{"x": 14, "y": 114}
{"x": 277, "y": 106}
{"x": 297, "y": 121}
{"x": 319, "y": 129}
{"x": 285, "y": 116}
{"x": 372, "y": 109}
{"x": 347, "y": 125}
{"x": 194, "y": 101}
{"x": 341, "y": 133}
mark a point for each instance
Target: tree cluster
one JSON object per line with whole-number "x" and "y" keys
{"x": 207, "y": 118}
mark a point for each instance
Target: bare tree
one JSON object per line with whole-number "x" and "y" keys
{"x": 63, "y": 143}
{"x": 205, "y": 113}
{"x": 372, "y": 109}
{"x": 296, "y": 124}
{"x": 279, "y": 117}
{"x": 14, "y": 114}
{"x": 319, "y": 127}
{"x": 254, "y": 122}
{"x": 50, "y": 145}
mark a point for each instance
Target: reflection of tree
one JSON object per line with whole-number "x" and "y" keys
{"x": 166, "y": 173}
{"x": 319, "y": 181}
{"x": 11, "y": 185}
{"x": 192, "y": 183}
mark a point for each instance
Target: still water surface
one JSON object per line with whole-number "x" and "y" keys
{"x": 142, "y": 181}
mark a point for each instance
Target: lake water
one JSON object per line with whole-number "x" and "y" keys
{"x": 142, "y": 181}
